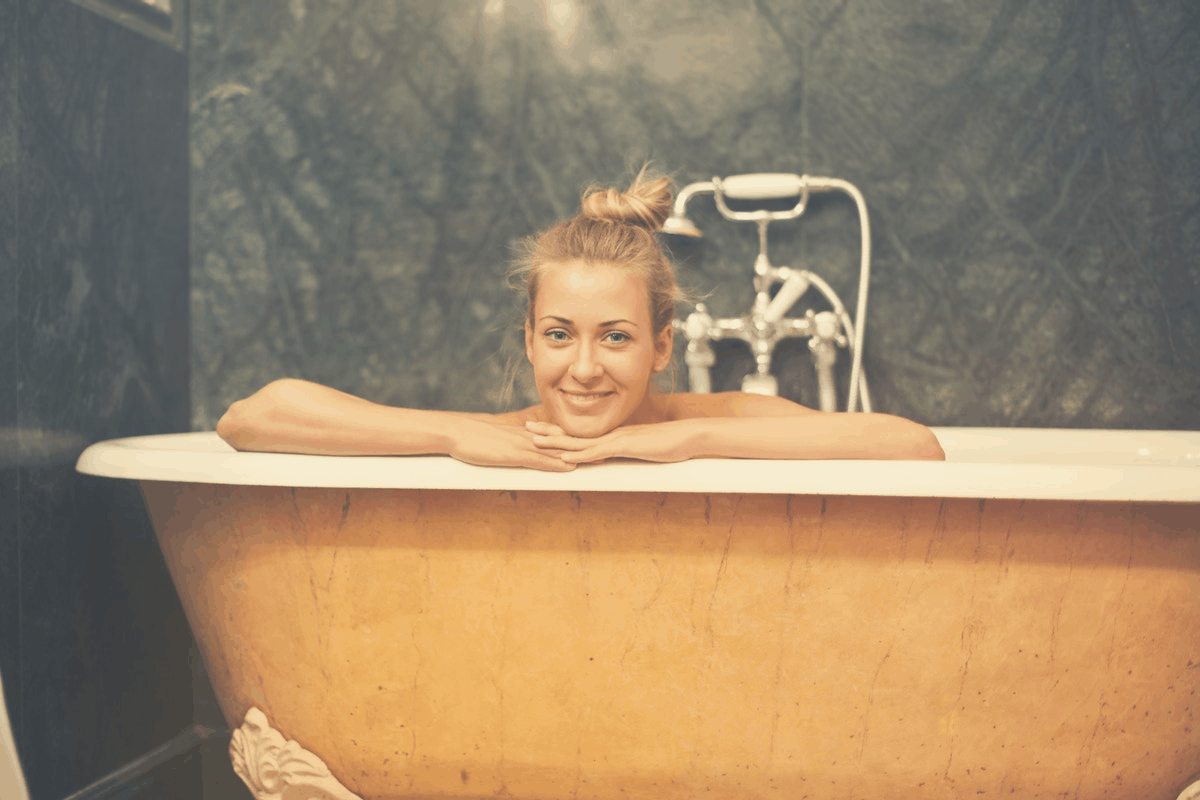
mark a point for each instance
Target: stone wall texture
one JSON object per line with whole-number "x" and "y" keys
{"x": 361, "y": 170}
{"x": 94, "y": 645}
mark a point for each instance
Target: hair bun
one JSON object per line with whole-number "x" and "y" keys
{"x": 646, "y": 203}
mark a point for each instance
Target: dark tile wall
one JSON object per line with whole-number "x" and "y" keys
{"x": 361, "y": 170}
{"x": 94, "y": 344}
{"x": 10, "y": 624}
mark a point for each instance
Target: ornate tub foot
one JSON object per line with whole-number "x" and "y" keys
{"x": 275, "y": 769}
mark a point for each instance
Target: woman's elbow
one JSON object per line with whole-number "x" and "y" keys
{"x": 906, "y": 439}
{"x": 929, "y": 448}
{"x": 259, "y": 421}
{"x": 235, "y": 426}
{"x": 231, "y": 427}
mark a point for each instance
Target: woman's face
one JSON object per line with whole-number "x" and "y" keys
{"x": 592, "y": 347}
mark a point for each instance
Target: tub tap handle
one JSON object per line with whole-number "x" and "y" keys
{"x": 826, "y": 325}
{"x": 699, "y": 357}
{"x": 699, "y": 354}
{"x": 698, "y": 325}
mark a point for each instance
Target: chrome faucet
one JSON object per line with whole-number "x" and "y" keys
{"x": 765, "y": 324}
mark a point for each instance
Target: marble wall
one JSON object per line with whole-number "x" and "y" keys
{"x": 94, "y": 343}
{"x": 361, "y": 169}
{"x": 10, "y": 595}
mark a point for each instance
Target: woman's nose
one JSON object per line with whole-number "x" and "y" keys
{"x": 585, "y": 366}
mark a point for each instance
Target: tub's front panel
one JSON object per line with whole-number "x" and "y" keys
{"x": 601, "y": 645}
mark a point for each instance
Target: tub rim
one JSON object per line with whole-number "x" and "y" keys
{"x": 1095, "y": 465}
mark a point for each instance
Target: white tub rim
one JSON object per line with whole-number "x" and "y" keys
{"x": 1002, "y": 463}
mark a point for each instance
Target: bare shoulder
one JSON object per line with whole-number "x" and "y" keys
{"x": 732, "y": 404}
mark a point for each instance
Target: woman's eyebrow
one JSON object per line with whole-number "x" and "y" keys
{"x": 604, "y": 324}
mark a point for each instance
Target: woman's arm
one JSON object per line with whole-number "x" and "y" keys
{"x": 735, "y": 424}
{"x": 832, "y": 435}
{"x": 746, "y": 426}
{"x": 297, "y": 416}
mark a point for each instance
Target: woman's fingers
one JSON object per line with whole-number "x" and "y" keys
{"x": 551, "y": 463}
{"x": 545, "y": 442}
{"x": 547, "y": 458}
{"x": 550, "y": 439}
{"x": 502, "y": 445}
{"x": 561, "y": 443}
{"x": 586, "y": 456}
{"x": 548, "y": 446}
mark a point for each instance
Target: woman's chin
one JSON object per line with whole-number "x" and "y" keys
{"x": 586, "y": 431}
{"x": 584, "y": 427}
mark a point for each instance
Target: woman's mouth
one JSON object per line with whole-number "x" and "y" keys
{"x": 584, "y": 400}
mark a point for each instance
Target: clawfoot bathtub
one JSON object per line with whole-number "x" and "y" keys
{"x": 1022, "y": 620}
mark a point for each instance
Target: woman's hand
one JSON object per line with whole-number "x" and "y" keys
{"x": 496, "y": 444}
{"x": 663, "y": 442}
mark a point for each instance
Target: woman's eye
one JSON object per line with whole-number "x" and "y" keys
{"x": 556, "y": 336}
{"x": 616, "y": 337}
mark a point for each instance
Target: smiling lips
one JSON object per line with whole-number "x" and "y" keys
{"x": 584, "y": 400}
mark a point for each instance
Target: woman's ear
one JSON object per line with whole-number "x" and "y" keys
{"x": 663, "y": 347}
{"x": 528, "y": 342}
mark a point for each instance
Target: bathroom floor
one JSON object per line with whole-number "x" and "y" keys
{"x": 203, "y": 772}
{"x": 218, "y": 781}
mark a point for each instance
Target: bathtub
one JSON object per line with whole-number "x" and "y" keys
{"x": 1021, "y": 620}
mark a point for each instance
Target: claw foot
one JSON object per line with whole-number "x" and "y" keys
{"x": 275, "y": 769}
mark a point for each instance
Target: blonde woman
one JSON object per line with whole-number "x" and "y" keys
{"x": 601, "y": 297}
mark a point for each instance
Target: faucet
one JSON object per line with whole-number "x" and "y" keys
{"x": 766, "y": 324}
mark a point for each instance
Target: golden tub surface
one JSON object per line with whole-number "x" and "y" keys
{"x": 1022, "y": 620}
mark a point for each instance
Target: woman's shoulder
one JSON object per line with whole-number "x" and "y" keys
{"x": 731, "y": 404}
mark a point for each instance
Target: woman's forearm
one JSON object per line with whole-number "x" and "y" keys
{"x": 815, "y": 436}
{"x": 295, "y": 416}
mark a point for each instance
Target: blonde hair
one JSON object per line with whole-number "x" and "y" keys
{"x": 613, "y": 228}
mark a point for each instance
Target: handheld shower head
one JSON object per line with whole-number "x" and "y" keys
{"x": 678, "y": 223}
{"x": 681, "y": 226}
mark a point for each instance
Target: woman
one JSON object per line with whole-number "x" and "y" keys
{"x": 598, "y": 328}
